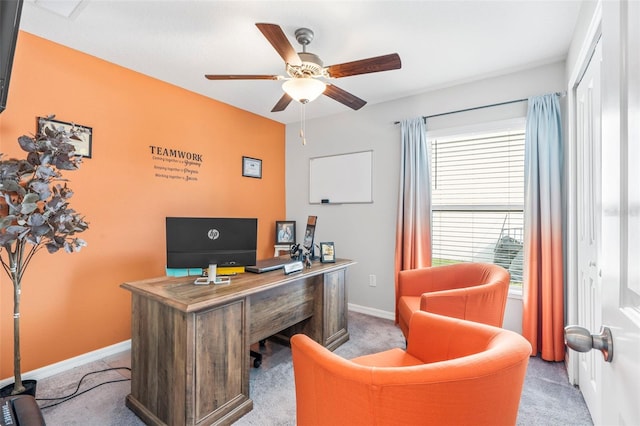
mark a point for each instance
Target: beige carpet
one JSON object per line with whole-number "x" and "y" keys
{"x": 547, "y": 399}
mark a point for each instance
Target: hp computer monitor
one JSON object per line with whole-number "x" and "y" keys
{"x": 197, "y": 242}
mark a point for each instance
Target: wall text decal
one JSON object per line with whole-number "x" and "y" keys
{"x": 170, "y": 163}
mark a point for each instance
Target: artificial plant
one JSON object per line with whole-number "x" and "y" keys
{"x": 35, "y": 212}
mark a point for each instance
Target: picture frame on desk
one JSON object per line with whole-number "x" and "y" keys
{"x": 327, "y": 252}
{"x": 252, "y": 167}
{"x": 285, "y": 232}
{"x": 81, "y": 136}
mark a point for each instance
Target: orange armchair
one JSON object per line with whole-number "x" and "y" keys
{"x": 472, "y": 291}
{"x": 453, "y": 372}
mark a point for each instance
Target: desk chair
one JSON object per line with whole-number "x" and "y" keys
{"x": 257, "y": 356}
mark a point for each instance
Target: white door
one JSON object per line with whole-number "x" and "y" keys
{"x": 612, "y": 389}
{"x": 620, "y": 260}
{"x": 588, "y": 117}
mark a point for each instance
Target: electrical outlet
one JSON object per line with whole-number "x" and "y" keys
{"x": 372, "y": 280}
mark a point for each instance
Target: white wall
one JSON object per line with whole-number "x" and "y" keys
{"x": 366, "y": 232}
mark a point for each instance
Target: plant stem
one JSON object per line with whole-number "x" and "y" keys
{"x": 14, "y": 268}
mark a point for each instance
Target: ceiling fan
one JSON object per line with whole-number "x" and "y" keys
{"x": 305, "y": 70}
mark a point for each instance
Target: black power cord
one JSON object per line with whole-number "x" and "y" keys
{"x": 76, "y": 393}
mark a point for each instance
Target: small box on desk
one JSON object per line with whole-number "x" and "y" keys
{"x": 229, "y": 270}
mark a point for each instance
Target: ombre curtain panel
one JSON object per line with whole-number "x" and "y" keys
{"x": 543, "y": 293}
{"x": 413, "y": 227}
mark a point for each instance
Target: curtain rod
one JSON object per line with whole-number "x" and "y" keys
{"x": 424, "y": 117}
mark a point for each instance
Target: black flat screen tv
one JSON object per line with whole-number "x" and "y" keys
{"x": 197, "y": 242}
{"x": 10, "y": 11}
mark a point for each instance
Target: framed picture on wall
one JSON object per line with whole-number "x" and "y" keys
{"x": 252, "y": 167}
{"x": 327, "y": 253}
{"x": 285, "y": 232}
{"x": 81, "y": 136}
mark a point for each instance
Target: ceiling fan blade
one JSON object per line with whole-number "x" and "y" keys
{"x": 279, "y": 41}
{"x": 241, "y": 77}
{"x": 365, "y": 66}
{"x": 344, "y": 97}
{"x": 284, "y": 102}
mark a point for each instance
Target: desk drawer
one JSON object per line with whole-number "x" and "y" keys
{"x": 276, "y": 309}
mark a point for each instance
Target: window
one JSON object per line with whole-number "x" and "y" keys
{"x": 478, "y": 198}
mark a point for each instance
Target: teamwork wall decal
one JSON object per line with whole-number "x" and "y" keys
{"x": 175, "y": 164}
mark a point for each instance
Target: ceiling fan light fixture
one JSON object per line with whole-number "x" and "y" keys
{"x": 304, "y": 90}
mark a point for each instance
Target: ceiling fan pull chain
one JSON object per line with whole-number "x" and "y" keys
{"x": 302, "y": 126}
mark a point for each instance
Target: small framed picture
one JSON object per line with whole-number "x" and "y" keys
{"x": 285, "y": 232}
{"x": 327, "y": 253}
{"x": 81, "y": 136}
{"x": 252, "y": 167}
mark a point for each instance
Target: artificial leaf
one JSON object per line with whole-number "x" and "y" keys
{"x": 40, "y": 230}
{"x": 51, "y": 248}
{"x": 41, "y": 188}
{"x": 6, "y": 221}
{"x": 7, "y": 238}
{"x": 27, "y": 143}
{"x": 29, "y": 203}
{"x": 16, "y": 229}
{"x": 36, "y": 220}
{"x": 33, "y": 158}
{"x": 64, "y": 163}
{"x": 10, "y": 185}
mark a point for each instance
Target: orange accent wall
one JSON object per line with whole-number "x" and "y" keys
{"x": 72, "y": 303}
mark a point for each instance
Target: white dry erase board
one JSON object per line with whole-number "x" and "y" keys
{"x": 344, "y": 178}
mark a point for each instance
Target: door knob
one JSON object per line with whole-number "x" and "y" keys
{"x": 579, "y": 339}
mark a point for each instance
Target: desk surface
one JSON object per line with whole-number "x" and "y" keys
{"x": 182, "y": 294}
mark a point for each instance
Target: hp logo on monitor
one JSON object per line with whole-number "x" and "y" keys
{"x": 213, "y": 234}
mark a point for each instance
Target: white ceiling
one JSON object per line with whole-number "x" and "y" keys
{"x": 440, "y": 43}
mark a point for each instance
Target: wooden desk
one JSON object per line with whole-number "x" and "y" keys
{"x": 190, "y": 344}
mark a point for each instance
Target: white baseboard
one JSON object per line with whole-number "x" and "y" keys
{"x": 68, "y": 364}
{"x": 373, "y": 312}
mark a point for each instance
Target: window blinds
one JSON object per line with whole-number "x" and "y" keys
{"x": 478, "y": 199}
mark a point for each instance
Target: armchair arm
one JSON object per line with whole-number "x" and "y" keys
{"x": 324, "y": 381}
